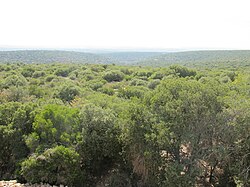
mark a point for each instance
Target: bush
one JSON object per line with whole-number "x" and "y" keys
{"x": 68, "y": 93}
{"x": 152, "y": 84}
{"x": 138, "y": 82}
{"x": 27, "y": 72}
{"x": 49, "y": 78}
{"x": 157, "y": 75}
{"x": 38, "y": 74}
{"x": 53, "y": 125}
{"x": 100, "y": 146}
{"x": 182, "y": 71}
{"x": 129, "y": 92}
{"x": 115, "y": 76}
{"x": 59, "y": 165}
{"x": 62, "y": 72}
{"x": 14, "y": 80}
{"x": 106, "y": 90}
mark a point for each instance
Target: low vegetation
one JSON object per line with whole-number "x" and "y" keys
{"x": 89, "y": 125}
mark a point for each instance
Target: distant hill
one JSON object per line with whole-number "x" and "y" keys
{"x": 233, "y": 58}
{"x": 50, "y": 56}
{"x": 47, "y": 56}
{"x": 206, "y": 59}
{"x": 130, "y": 57}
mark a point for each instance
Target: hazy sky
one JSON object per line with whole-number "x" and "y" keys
{"x": 125, "y": 23}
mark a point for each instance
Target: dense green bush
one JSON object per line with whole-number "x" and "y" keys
{"x": 68, "y": 92}
{"x": 37, "y": 74}
{"x": 153, "y": 84}
{"x": 14, "y": 80}
{"x": 111, "y": 76}
{"x": 27, "y": 72}
{"x": 129, "y": 92}
{"x": 100, "y": 145}
{"x": 15, "y": 122}
{"x": 138, "y": 82}
{"x": 53, "y": 125}
{"x": 182, "y": 71}
{"x": 58, "y": 165}
{"x": 106, "y": 90}
{"x": 62, "y": 72}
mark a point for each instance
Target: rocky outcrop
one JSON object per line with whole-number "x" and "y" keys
{"x": 14, "y": 183}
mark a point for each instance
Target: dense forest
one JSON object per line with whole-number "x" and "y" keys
{"x": 201, "y": 59}
{"x": 122, "y": 126}
{"x": 50, "y": 56}
{"x": 192, "y": 59}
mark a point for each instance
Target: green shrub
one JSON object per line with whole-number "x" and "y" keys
{"x": 138, "y": 82}
{"x": 38, "y": 74}
{"x": 152, "y": 84}
{"x": 58, "y": 165}
{"x": 182, "y": 71}
{"x": 100, "y": 145}
{"x": 115, "y": 76}
{"x": 106, "y": 90}
{"x": 68, "y": 92}
{"x": 14, "y": 80}
{"x": 157, "y": 75}
{"x": 62, "y": 72}
{"x": 49, "y": 78}
{"x": 27, "y": 72}
{"x": 132, "y": 91}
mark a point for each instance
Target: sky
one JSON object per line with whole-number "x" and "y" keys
{"x": 124, "y": 24}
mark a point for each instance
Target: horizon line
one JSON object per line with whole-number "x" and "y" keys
{"x": 115, "y": 49}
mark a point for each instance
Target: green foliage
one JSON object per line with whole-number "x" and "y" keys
{"x": 138, "y": 82}
{"x": 62, "y": 72}
{"x": 100, "y": 146}
{"x": 129, "y": 92}
{"x": 53, "y": 125}
{"x": 201, "y": 59}
{"x": 15, "y": 122}
{"x": 153, "y": 84}
{"x": 157, "y": 75}
{"x": 50, "y": 78}
{"x": 107, "y": 90}
{"x": 58, "y": 165}
{"x": 14, "y": 80}
{"x": 27, "y": 72}
{"x": 37, "y": 74}
{"x": 90, "y": 125}
{"x": 115, "y": 76}
{"x": 182, "y": 71}
{"x": 68, "y": 92}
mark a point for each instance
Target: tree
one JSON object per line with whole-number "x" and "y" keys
{"x": 99, "y": 147}
{"x": 194, "y": 116}
{"x": 53, "y": 125}
{"x": 141, "y": 147}
{"x": 15, "y": 122}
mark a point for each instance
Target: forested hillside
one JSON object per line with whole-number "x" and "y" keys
{"x": 51, "y": 56}
{"x": 108, "y": 125}
{"x": 201, "y": 59}
{"x": 193, "y": 59}
{"x": 130, "y": 58}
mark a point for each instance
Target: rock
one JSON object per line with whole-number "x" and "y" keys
{"x": 14, "y": 183}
